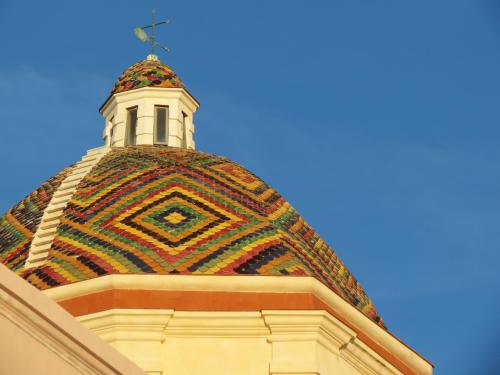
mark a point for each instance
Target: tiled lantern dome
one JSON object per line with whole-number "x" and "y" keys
{"x": 147, "y": 73}
{"x": 164, "y": 210}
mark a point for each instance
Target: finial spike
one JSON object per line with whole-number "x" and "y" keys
{"x": 153, "y": 22}
{"x": 140, "y": 33}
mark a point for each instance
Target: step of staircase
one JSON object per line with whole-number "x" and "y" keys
{"x": 47, "y": 229}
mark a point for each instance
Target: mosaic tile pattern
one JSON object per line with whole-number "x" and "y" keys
{"x": 19, "y": 224}
{"x": 163, "y": 210}
{"x": 147, "y": 73}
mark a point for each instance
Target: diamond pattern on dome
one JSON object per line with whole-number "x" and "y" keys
{"x": 175, "y": 219}
{"x": 147, "y": 73}
{"x": 163, "y": 210}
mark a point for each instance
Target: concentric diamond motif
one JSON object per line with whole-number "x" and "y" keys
{"x": 174, "y": 219}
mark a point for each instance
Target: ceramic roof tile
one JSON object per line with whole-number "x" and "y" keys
{"x": 147, "y": 73}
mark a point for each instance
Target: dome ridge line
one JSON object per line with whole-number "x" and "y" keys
{"x": 51, "y": 218}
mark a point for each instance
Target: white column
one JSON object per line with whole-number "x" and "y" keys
{"x": 174, "y": 125}
{"x": 120, "y": 123}
{"x": 136, "y": 333}
{"x": 145, "y": 122}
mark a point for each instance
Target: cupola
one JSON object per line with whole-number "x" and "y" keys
{"x": 149, "y": 105}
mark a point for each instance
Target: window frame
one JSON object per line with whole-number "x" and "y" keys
{"x": 167, "y": 124}
{"x": 127, "y": 127}
{"x": 112, "y": 130}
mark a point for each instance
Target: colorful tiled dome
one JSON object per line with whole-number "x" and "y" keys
{"x": 147, "y": 73}
{"x": 164, "y": 210}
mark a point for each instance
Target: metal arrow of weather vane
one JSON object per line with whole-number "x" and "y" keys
{"x": 140, "y": 33}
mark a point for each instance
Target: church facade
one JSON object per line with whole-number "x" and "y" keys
{"x": 185, "y": 262}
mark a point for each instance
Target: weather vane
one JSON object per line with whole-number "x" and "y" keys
{"x": 144, "y": 37}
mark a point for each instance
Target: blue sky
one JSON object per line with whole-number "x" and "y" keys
{"x": 377, "y": 119}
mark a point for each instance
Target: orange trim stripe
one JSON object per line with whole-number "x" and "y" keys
{"x": 215, "y": 301}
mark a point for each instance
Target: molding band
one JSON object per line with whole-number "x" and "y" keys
{"x": 234, "y": 293}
